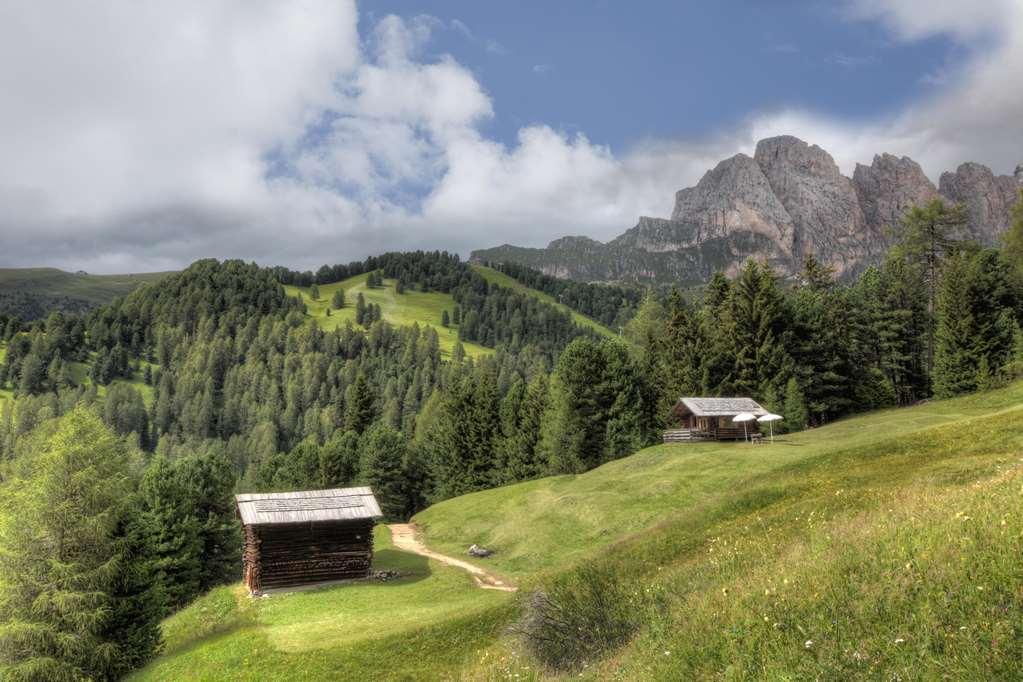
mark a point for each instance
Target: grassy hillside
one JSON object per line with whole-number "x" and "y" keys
{"x": 498, "y": 277}
{"x": 882, "y": 546}
{"x": 398, "y": 309}
{"x": 427, "y": 623}
{"x": 96, "y": 289}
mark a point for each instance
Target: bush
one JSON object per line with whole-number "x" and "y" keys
{"x": 578, "y": 619}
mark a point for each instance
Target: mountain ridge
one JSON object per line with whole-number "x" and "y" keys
{"x": 785, "y": 202}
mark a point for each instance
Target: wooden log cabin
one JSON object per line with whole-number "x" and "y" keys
{"x": 711, "y": 419}
{"x": 306, "y": 537}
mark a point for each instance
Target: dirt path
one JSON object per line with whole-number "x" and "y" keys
{"x": 403, "y": 535}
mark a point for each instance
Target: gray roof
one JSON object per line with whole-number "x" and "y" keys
{"x": 722, "y": 407}
{"x": 336, "y": 504}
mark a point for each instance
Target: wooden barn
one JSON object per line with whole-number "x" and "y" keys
{"x": 307, "y": 537}
{"x": 711, "y": 419}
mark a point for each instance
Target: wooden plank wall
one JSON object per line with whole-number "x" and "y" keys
{"x": 289, "y": 555}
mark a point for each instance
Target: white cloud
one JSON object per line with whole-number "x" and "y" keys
{"x": 161, "y": 133}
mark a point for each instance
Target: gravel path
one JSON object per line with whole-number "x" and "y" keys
{"x": 404, "y": 537}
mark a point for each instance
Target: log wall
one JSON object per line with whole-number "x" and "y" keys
{"x": 289, "y": 555}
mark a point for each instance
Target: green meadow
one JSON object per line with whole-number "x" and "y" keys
{"x": 407, "y": 308}
{"x": 497, "y": 277}
{"x": 884, "y": 546}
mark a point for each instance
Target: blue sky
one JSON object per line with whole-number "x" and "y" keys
{"x": 624, "y": 71}
{"x": 323, "y": 131}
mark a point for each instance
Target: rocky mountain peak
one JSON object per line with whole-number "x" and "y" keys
{"x": 734, "y": 195}
{"x": 786, "y": 201}
{"x": 822, "y": 202}
{"x": 888, "y": 187}
{"x": 988, "y": 198}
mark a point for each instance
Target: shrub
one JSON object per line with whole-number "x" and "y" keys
{"x": 578, "y": 619}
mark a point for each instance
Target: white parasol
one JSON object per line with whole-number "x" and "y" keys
{"x": 744, "y": 417}
{"x": 769, "y": 419}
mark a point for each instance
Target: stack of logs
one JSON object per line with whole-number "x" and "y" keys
{"x": 288, "y": 555}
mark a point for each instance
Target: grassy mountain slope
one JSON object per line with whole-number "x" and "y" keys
{"x": 879, "y": 546}
{"x": 96, "y": 289}
{"x": 409, "y": 307}
{"x": 498, "y": 277}
{"x": 427, "y": 623}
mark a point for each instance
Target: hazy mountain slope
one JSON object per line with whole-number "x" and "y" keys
{"x": 31, "y": 293}
{"x": 786, "y": 201}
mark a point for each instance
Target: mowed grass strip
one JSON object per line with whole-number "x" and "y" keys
{"x": 426, "y": 624}
{"x": 404, "y": 309}
{"x": 497, "y": 277}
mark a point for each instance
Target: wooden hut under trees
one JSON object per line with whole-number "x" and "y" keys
{"x": 306, "y": 537}
{"x": 711, "y": 419}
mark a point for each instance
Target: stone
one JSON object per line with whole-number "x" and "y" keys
{"x": 479, "y": 552}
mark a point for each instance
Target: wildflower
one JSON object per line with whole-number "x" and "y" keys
{"x": 962, "y": 628}
{"x": 808, "y": 644}
{"x": 667, "y": 653}
{"x": 899, "y": 640}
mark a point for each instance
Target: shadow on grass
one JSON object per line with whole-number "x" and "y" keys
{"x": 411, "y": 567}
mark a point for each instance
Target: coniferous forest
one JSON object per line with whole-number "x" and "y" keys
{"x": 135, "y": 423}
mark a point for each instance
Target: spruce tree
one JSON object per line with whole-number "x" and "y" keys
{"x": 929, "y": 233}
{"x": 445, "y": 321}
{"x": 382, "y": 467}
{"x": 360, "y": 309}
{"x": 795, "y": 413}
{"x": 65, "y": 567}
{"x": 314, "y": 292}
{"x": 456, "y": 314}
{"x": 338, "y": 300}
{"x": 359, "y": 409}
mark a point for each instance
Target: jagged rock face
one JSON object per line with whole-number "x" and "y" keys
{"x": 821, "y": 202}
{"x": 734, "y": 196}
{"x": 887, "y": 188}
{"x": 787, "y": 201}
{"x": 988, "y": 198}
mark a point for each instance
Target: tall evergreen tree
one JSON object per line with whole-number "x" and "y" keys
{"x": 359, "y": 411}
{"x": 64, "y": 561}
{"x": 383, "y": 457}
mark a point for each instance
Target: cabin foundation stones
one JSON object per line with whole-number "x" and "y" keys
{"x": 307, "y": 537}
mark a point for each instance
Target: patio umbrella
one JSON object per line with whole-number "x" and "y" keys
{"x": 744, "y": 417}
{"x": 769, "y": 419}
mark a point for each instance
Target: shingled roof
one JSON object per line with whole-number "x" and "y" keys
{"x": 722, "y": 407}
{"x": 336, "y": 504}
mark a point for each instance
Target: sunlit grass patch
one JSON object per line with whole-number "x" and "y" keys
{"x": 404, "y": 309}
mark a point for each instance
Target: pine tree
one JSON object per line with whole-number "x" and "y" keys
{"x": 928, "y": 235}
{"x": 796, "y": 415}
{"x": 314, "y": 292}
{"x": 360, "y": 309}
{"x": 456, "y": 315}
{"x": 399, "y": 287}
{"x": 574, "y": 426}
{"x": 445, "y": 320}
{"x": 754, "y": 322}
{"x": 338, "y": 300}
{"x": 359, "y": 411}
{"x": 64, "y": 564}
{"x": 382, "y": 466}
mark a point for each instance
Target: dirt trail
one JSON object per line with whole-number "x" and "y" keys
{"x": 403, "y": 535}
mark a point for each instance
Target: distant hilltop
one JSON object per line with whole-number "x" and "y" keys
{"x": 786, "y": 201}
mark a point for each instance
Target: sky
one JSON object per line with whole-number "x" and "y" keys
{"x": 139, "y": 135}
